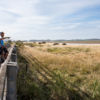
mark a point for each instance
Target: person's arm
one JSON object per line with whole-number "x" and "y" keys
{"x": 4, "y": 38}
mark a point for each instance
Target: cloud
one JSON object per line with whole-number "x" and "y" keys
{"x": 50, "y": 19}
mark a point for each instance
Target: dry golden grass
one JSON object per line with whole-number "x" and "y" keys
{"x": 80, "y": 64}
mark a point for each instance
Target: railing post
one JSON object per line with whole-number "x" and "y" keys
{"x": 13, "y": 57}
{"x": 11, "y": 81}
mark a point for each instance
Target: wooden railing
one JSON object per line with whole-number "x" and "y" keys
{"x": 8, "y": 75}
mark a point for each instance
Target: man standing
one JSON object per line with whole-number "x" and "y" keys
{"x": 3, "y": 49}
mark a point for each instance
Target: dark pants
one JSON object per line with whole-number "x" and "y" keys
{"x": 3, "y": 50}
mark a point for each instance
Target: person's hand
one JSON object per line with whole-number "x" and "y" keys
{"x": 8, "y": 37}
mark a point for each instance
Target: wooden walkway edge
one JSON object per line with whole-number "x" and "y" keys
{"x": 8, "y": 75}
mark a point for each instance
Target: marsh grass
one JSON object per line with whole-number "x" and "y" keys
{"x": 63, "y": 73}
{"x": 33, "y": 44}
{"x": 67, "y": 50}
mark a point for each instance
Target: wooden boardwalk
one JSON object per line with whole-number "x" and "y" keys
{"x": 6, "y": 71}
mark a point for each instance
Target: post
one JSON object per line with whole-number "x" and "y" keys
{"x": 11, "y": 81}
{"x": 13, "y": 57}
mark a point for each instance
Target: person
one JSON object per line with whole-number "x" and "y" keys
{"x": 3, "y": 49}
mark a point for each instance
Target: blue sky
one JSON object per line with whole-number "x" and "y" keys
{"x": 50, "y": 19}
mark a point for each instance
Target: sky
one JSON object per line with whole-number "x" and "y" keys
{"x": 50, "y": 19}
